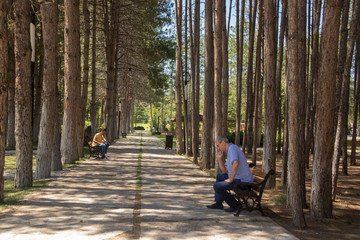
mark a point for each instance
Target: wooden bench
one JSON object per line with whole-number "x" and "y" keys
{"x": 94, "y": 151}
{"x": 249, "y": 194}
{"x": 123, "y": 135}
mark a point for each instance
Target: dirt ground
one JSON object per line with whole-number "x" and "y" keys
{"x": 345, "y": 223}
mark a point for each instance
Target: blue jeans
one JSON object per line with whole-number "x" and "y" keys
{"x": 104, "y": 148}
{"x": 221, "y": 190}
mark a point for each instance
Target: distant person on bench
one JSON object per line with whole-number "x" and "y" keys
{"x": 233, "y": 170}
{"x": 101, "y": 141}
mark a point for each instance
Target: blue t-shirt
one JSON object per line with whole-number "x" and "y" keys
{"x": 243, "y": 173}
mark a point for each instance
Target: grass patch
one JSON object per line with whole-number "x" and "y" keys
{"x": 12, "y": 194}
{"x": 279, "y": 200}
{"x": 210, "y": 172}
{"x": 10, "y": 163}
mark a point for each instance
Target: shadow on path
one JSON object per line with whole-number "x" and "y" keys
{"x": 140, "y": 191}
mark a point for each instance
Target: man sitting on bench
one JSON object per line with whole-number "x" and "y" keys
{"x": 101, "y": 142}
{"x": 235, "y": 169}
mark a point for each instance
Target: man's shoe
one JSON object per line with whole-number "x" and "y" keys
{"x": 216, "y": 205}
{"x": 231, "y": 209}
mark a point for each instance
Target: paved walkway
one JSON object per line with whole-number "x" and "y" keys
{"x": 141, "y": 191}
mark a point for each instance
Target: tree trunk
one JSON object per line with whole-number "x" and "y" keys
{"x": 93, "y": 73}
{"x": 10, "y": 127}
{"x": 195, "y": 83}
{"x": 285, "y": 154}
{"x": 225, "y": 71}
{"x": 178, "y": 77}
{"x": 249, "y": 114}
{"x": 207, "y": 135}
{"x": 23, "y": 99}
{"x": 279, "y": 66}
{"x": 342, "y": 127}
{"x": 321, "y": 204}
{"x": 151, "y": 118}
{"x": 342, "y": 52}
{"x": 56, "y": 164}
{"x": 294, "y": 121}
{"x": 269, "y": 157}
{"x": 85, "y": 82}
{"x": 302, "y": 92}
{"x": 184, "y": 86}
{"x": 161, "y": 127}
{"x": 3, "y": 89}
{"x": 258, "y": 80}
{"x": 110, "y": 32}
{"x": 311, "y": 106}
{"x": 38, "y": 81}
{"x": 218, "y": 18}
{"x": 356, "y": 102}
{"x": 239, "y": 57}
{"x": 49, "y": 14}
{"x": 72, "y": 83}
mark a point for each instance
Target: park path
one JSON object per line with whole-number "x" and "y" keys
{"x": 140, "y": 191}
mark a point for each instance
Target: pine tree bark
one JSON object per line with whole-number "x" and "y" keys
{"x": 178, "y": 77}
{"x": 269, "y": 157}
{"x": 207, "y": 134}
{"x": 239, "y": 57}
{"x": 340, "y": 147}
{"x": 85, "y": 80}
{"x": 321, "y": 204}
{"x": 279, "y": 66}
{"x": 249, "y": 112}
{"x": 93, "y": 72}
{"x": 302, "y": 92}
{"x": 294, "y": 121}
{"x": 258, "y": 81}
{"x": 356, "y": 102}
{"x": 56, "y": 164}
{"x": 111, "y": 13}
{"x": 10, "y": 127}
{"x": 72, "y": 83}
{"x": 342, "y": 52}
{"x": 218, "y": 74}
{"x": 49, "y": 14}
{"x": 38, "y": 82}
{"x": 225, "y": 71}
{"x": 3, "y": 89}
{"x": 311, "y": 106}
{"x": 195, "y": 83}
{"x": 23, "y": 99}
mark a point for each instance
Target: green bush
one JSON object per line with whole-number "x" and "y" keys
{"x": 230, "y": 134}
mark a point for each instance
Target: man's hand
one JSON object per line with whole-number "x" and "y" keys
{"x": 229, "y": 180}
{"x": 219, "y": 155}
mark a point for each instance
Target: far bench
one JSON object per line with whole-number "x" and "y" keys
{"x": 249, "y": 194}
{"x": 123, "y": 134}
{"x": 94, "y": 151}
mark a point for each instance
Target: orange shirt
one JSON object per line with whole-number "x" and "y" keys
{"x": 98, "y": 139}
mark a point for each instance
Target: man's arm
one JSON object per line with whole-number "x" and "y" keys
{"x": 222, "y": 167}
{"x": 235, "y": 167}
